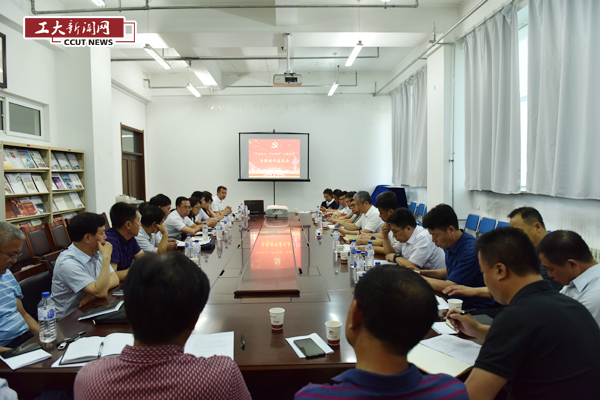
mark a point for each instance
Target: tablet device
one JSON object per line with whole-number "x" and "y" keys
{"x": 309, "y": 347}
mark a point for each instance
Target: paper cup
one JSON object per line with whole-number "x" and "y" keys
{"x": 339, "y": 248}
{"x": 277, "y": 314}
{"x": 295, "y": 211}
{"x": 334, "y": 332}
{"x": 344, "y": 256}
{"x": 455, "y": 303}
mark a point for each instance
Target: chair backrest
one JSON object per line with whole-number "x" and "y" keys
{"x": 50, "y": 260}
{"x": 501, "y": 224}
{"x": 39, "y": 240}
{"x": 421, "y": 210}
{"x": 32, "y": 289}
{"x": 26, "y": 258}
{"x": 58, "y": 233}
{"x": 472, "y": 222}
{"x": 106, "y": 223}
{"x": 486, "y": 225}
{"x": 412, "y": 207}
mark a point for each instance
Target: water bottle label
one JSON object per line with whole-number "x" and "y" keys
{"x": 46, "y": 313}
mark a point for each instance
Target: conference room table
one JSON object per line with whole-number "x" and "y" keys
{"x": 270, "y": 367}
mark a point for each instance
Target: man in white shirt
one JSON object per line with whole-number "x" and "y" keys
{"x": 570, "y": 262}
{"x": 343, "y": 214}
{"x": 197, "y": 213}
{"x": 152, "y": 223}
{"x": 370, "y": 222}
{"x": 414, "y": 248}
{"x": 386, "y": 204}
{"x": 217, "y": 205}
{"x": 178, "y": 221}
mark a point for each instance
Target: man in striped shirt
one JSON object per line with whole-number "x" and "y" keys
{"x": 16, "y": 326}
{"x": 391, "y": 312}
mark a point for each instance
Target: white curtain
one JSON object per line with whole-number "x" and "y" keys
{"x": 564, "y": 98}
{"x": 492, "y": 101}
{"x": 418, "y": 168}
{"x": 401, "y": 135}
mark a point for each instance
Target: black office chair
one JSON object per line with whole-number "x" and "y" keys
{"x": 32, "y": 289}
{"x": 57, "y": 231}
{"x": 40, "y": 243}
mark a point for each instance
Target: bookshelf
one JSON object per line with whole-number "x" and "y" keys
{"x": 68, "y": 191}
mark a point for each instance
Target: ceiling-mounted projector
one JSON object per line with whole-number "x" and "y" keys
{"x": 287, "y": 80}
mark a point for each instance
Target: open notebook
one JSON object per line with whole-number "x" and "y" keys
{"x": 94, "y": 347}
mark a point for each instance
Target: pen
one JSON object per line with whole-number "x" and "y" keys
{"x": 465, "y": 312}
{"x": 100, "y": 349}
{"x": 243, "y": 342}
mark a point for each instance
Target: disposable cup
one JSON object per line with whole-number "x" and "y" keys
{"x": 277, "y": 315}
{"x": 344, "y": 256}
{"x": 334, "y": 332}
{"x": 455, "y": 303}
{"x": 339, "y": 248}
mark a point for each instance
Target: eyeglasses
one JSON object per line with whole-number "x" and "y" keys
{"x": 15, "y": 257}
{"x": 187, "y": 208}
{"x": 197, "y": 208}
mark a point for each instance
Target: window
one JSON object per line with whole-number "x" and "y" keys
{"x": 523, "y": 25}
{"x": 21, "y": 118}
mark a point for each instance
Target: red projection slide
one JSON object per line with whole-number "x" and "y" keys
{"x": 274, "y": 158}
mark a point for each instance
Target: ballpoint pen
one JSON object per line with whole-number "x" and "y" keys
{"x": 243, "y": 342}
{"x": 100, "y": 349}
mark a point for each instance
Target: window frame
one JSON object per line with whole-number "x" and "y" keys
{"x": 5, "y": 117}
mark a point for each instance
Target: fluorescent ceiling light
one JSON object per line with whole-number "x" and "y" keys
{"x": 385, "y": 1}
{"x": 354, "y": 53}
{"x": 99, "y": 3}
{"x": 157, "y": 57}
{"x": 193, "y": 90}
{"x": 333, "y": 88}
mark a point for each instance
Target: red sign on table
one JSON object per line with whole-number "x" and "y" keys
{"x": 80, "y": 31}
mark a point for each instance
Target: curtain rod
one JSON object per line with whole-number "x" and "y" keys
{"x": 492, "y": 15}
{"x": 410, "y": 77}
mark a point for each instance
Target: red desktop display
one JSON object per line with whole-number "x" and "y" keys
{"x": 274, "y": 158}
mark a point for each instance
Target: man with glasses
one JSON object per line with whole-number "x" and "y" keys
{"x": 198, "y": 213}
{"x": 16, "y": 326}
{"x": 178, "y": 222}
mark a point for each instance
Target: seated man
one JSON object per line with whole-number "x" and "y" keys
{"x": 197, "y": 213}
{"x": 16, "y": 326}
{"x": 83, "y": 271}
{"x": 161, "y": 201}
{"x": 152, "y": 223}
{"x": 370, "y": 222}
{"x": 178, "y": 222}
{"x": 356, "y": 216}
{"x": 377, "y": 327}
{"x": 546, "y": 345}
{"x": 126, "y": 224}
{"x": 336, "y": 196}
{"x": 343, "y": 215}
{"x": 462, "y": 266}
{"x": 329, "y": 202}
{"x": 218, "y": 207}
{"x": 206, "y": 207}
{"x": 569, "y": 261}
{"x": 386, "y": 204}
{"x": 164, "y": 296}
{"x": 414, "y": 249}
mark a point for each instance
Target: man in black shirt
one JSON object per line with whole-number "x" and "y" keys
{"x": 544, "y": 345}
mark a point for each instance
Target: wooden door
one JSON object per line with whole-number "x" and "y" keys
{"x": 132, "y": 143}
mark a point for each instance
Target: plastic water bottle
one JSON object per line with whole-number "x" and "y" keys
{"x": 231, "y": 219}
{"x": 336, "y": 239}
{"x": 188, "y": 246}
{"x": 205, "y": 232}
{"x": 246, "y": 211}
{"x": 359, "y": 262}
{"x": 319, "y": 236}
{"x": 377, "y": 263}
{"x": 47, "y": 318}
{"x": 353, "y": 250}
{"x": 225, "y": 224}
{"x": 369, "y": 256}
{"x": 219, "y": 230}
{"x": 320, "y": 220}
{"x": 197, "y": 250}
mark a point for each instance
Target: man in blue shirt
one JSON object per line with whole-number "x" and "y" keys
{"x": 16, "y": 326}
{"x": 462, "y": 265}
{"x": 83, "y": 272}
{"x": 392, "y": 310}
{"x": 125, "y": 227}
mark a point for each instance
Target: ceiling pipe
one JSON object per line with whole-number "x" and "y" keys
{"x": 250, "y": 58}
{"x": 147, "y": 7}
{"x": 435, "y": 43}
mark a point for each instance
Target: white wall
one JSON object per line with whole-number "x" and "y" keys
{"x": 193, "y": 144}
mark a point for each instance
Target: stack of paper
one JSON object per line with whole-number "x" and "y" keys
{"x": 214, "y": 344}
{"x": 26, "y": 359}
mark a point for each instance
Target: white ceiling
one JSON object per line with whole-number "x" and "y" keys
{"x": 316, "y": 32}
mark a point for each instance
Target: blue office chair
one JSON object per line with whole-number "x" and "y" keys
{"x": 486, "y": 225}
{"x": 421, "y": 210}
{"x": 501, "y": 224}
{"x": 412, "y": 207}
{"x": 472, "y": 223}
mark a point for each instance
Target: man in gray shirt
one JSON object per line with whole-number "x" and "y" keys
{"x": 83, "y": 271}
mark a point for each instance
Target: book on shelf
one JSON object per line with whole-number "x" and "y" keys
{"x": 26, "y": 158}
{"x": 95, "y": 347}
{"x": 28, "y": 182}
{"x": 54, "y": 209}
{"x": 7, "y": 163}
{"x": 67, "y": 180}
{"x": 8, "y": 210}
{"x": 60, "y": 203}
{"x": 24, "y": 224}
{"x": 16, "y": 183}
{"x": 28, "y": 205}
{"x": 39, "y": 205}
{"x": 60, "y": 185}
{"x": 58, "y": 217}
{"x": 35, "y": 222}
{"x": 76, "y": 181}
{"x": 14, "y": 158}
{"x": 37, "y": 158}
{"x": 69, "y": 215}
{"x": 76, "y": 200}
{"x": 17, "y": 208}
{"x": 62, "y": 160}
{"x": 7, "y": 187}
{"x": 73, "y": 161}
{"x": 39, "y": 183}
{"x": 54, "y": 162}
